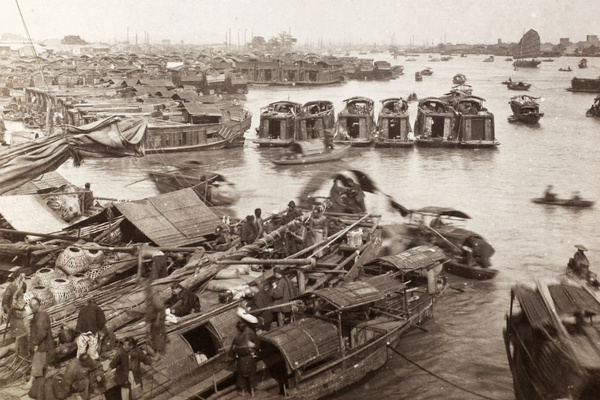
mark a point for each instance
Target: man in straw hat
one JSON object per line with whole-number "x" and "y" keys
{"x": 579, "y": 264}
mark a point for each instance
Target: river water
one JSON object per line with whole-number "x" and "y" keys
{"x": 464, "y": 339}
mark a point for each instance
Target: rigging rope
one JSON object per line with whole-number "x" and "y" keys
{"x": 32, "y": 46}
{"x": 438, "y": 376}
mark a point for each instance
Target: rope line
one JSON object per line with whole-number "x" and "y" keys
{"x": 438, "y": 376}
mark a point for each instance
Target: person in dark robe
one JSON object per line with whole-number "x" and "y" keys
{"x": 87, "y": 201}
{"x": 40, "y": 340}
{"x": 248, "y": 231}
{"x": 127, "y": 363}
{"x": 262, "y": 299}
{"x": 13, "y": 305}
{"x": 90, "y": 324}
{"x": 76, "y": 378}
{"x": 245, "y": 349}
{"x": 222, "y": 240}
{"x": 336, "y": 195}
{"x": 292, "y": 213}
{"x": 282, "y": 291}
{"x": 183, "y": 301}
{"x": 580, "y": 264}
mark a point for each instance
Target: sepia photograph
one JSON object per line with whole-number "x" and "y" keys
{"x": 340, "y": 199}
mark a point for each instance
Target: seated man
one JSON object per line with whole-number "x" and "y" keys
{"x": 549, "y": 195}
{"x": 183, "y": 301}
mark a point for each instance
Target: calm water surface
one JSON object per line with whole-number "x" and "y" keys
{"x": 464, "y": 343}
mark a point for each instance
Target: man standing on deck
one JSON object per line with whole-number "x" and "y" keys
{"x": 40, "y": 340}
{"x": 248, "y": 231}
{"x": 87, "y": 199}
{"x": 282, "y": 291}
{"x": 90, "y": 323}
{"x": 292, "y": 213}
{"x": 259, "y": 222}
{"x": 13, "y": 304}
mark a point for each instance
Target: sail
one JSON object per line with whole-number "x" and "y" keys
{"x": 529, "y": 46}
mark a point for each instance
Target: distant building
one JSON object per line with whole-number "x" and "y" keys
{"x": 499, "y": 41}
{"x": 593, "y": 39}
{"x": 166, "y": 42}
{"x": 564, "y": 42}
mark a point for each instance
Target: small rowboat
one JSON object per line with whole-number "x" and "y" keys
{"x": 470, "y": 271}
{"x": 519, "y": 86}
{"x": 304, "y": 153}
{"x": 564, "y": 202}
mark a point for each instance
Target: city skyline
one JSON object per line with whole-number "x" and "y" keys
{"x": 332, "y": 22}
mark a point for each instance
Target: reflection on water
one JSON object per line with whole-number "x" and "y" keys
{"x": 464, "y": 342}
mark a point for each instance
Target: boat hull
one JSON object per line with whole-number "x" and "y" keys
{"x": 391, "y": 143}
{"x": 470, "y": 272}
{"x": 354, "y": 143}
{"x": 326, "y": 156}
{"x": 217, "y": 145}
{"x": 272, "y": 142}
{"x": 564, "y": 202}
{"x": 585, "y": 85}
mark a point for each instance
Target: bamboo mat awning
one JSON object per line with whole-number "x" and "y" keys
{"x": 413, "y": 259}
{"x": 305, "y": 341}
{"x": 49, "y": 180}
{"x": 30, "y": 213}
{"x": 173, "y": 219}
{"x": 349, "y": 295}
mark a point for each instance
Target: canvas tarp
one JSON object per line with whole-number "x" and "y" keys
{"x": 111, "y": 136}
{"x": 30, "y": 213}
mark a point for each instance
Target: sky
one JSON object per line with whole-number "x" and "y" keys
{"x": 310, "y": 21}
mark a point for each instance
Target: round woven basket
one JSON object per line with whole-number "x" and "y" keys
{"x": 73, "y": 260}
{"x": 95, "y": 257}
{"x": 81, "y": 283}
{"x": 62, "y": 289}
{"x": 43, "y": 293}
{"x": 44, "y": 276}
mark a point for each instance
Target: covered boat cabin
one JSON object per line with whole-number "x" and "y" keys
{"x": 393, "y": 125}
{"x": 315, "y": 118}
{"x": 278, "y": 124}
{"x": 475, "y": 124}
{"x": 551, "y": 340}
{"x": 356, "y": 122}
{"x": 339, "y": 337}
{"x": 525, "y": 109}
{"x": 435, "y": 122}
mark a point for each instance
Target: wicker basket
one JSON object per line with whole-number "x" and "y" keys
{"x": 62, "y": 289}
{"x": 43, "y": 293}
{"x": 95, "y": 257}
{"x": 44, "y": 276}
{"x": 81, "y": 283}
{"x": 73, "y": 260}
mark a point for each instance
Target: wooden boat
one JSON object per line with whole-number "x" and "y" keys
{"x": 578, "y": 203}
{"x": 418, "y": 76}
{"x": 518, "y": 85}
{"x": 551, "y": 341}
{"x": 459, "y": 79}
{"x": 525, "y": 109}
{"x": 210, "y": 128}
{"x": 427, "y": 71}
{"x": 475, "y": 127}
{"x": 508, "y": 59}
{"x": 356, "y": 123}
{"x": 548, "y": 60}
{"x": 582, "y": 63}
{"x": 278, "y": 124}
{"x": 585, "y": 85}
{"x": 489, "y": 59}
{"x": 434, "y": 125}
{"x": 594, "y": 110}
{"x": 568, "y": 69}
{"x": 467, "y": 252}
{"x": 393, "y": 125}
{"x": 343, "y": 333}
{"x": 529, "y": 47}
{"x": 315, "y": 118}
{"x": 310, "y": 153}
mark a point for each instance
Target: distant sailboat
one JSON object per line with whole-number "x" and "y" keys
{"x": 529, "y": 46}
